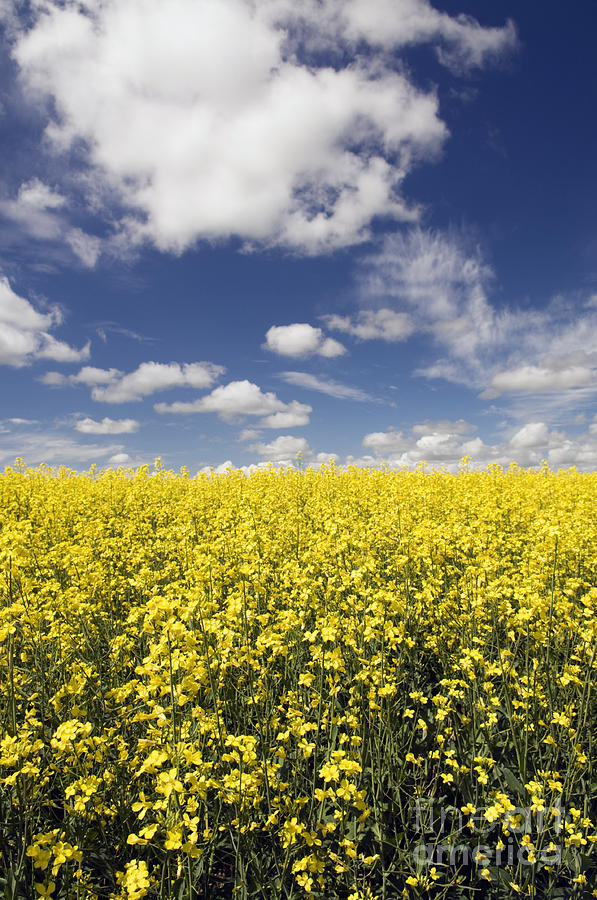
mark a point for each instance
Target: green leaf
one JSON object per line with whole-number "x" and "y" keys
{"x": 513, "y": 782}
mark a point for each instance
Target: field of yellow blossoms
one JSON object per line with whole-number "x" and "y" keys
{"x": 330, "y": 684}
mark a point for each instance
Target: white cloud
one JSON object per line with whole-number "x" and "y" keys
{"x": 229, "y": 401}
{"x": 443, "y": 449}
{"x": 221, "y": 469}
{"x": 53, "y": 379}
{"x": 36, "y": 195}
{"x": 475, "y": 448}
{"x": 107, "y": 426}
{"x": 460, "y": 426}
{"x": 384, "y": 442}
{"x": 151, "y": 377}
{"x": 462, "y": 43}
{"x": 380, "y": 324}
{"x": 92, "y": 376}
{"x": 212, "y": 118}
{"x": 120, "y": 459}
{"x": 435, "y": 444}
{"x": 113, "y": 386}
{"x": 294, "y": 415}
{"x": 323, "y": 458}
{"x": 249, "y": 434}
{"x": 40, "y": 211}
{"x": 53, "y": 448}
{"x": 24, "y": 332}
{"x": 59, "y": 351}
{"x": 435, "y": 275}
{"x": 301, "y": 339}
{"x": 528, "y": 446}
{"x": 443, "y": 285}
{"x": 243, "y": 398}
{"x": 283, "y": 449}
{"x": 534, "y": 434}
{"x": 532, "y": 379}
{"x": 34, "y": 209}
{"x": 325, "y": 386}
{"x": 281, "y": 452}
{"x": 88, "y": 375}
{"x": 86, "y": 247}
{"x": 442, "y": 446}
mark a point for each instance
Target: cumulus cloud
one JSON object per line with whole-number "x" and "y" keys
{"x": 220, "y": 469}
{"x": 59, "y": 351}
{"x": 120, "y": 459}
{"x": 216, "y": 118}
{"x": 244, "y": 398}
{"x": 107, "y": 426}
{"x": 283, "y": 450}
{"x": 446, "y": 446}
{"x": 24, "y": 332}
{"x": 325, "y": 386}
{"x": 443, "y": 445}
{"x": 151, "y": 377}
{"x": 534, "y": 434}
{"x": 92, "y": 376}
{"x": 294, "y": 415}
{"x": 114, "y": 386}
{"x": 385, "y": 442}
{"x": 368, "y": 324}
{"x": 301, "y": 339}
{"x": 277, "y": 452}
{"x": 88, "y": 375}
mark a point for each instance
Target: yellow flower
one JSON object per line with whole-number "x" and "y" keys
{"x": 290, "y": 830}
{"x": 329, "y": 772}
{"x": 173, "y": 839}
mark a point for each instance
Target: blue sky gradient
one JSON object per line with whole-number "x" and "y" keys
{"x": 235, "y": 231}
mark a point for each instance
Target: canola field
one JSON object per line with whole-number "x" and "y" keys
{"x": 298, "y": 684}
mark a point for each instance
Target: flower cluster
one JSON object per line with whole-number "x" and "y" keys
{"x": 268, "y": 686}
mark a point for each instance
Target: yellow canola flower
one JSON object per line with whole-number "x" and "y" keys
{"x": 275, "y": 671}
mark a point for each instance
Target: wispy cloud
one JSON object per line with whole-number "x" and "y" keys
{"x": 103, "y": 329}
{"x": 374, "y": 324}
{"x": 40, "y": 211}
{"x": 444, "y": 287}
{"x": 107, "y": 426}
{"x": 325, "y": 386}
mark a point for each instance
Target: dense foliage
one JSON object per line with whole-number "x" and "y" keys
{"x": 341, "y": 684}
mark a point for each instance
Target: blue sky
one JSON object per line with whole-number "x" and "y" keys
{"x": 236, "y": 230}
